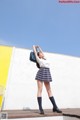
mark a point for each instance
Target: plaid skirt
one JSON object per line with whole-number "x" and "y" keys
{"x": 44, "y": 74}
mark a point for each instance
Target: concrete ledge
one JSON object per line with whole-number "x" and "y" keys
{"x": 28, "y": 113}
{"x": 72, "y": 112}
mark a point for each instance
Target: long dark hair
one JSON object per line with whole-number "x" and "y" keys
{"x": 37, "y": 64}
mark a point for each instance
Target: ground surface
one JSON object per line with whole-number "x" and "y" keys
{"x": 28, "y": 113}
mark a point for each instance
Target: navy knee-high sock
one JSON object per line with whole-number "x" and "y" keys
{"x": 39, "y": 99}
{"x": 55, "y": 108}
{"x": 53, "y": 102}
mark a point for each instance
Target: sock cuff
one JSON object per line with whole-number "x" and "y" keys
{"x": 50, "y": 97}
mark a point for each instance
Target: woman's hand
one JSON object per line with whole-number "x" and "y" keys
{"x": 37, "y": 46}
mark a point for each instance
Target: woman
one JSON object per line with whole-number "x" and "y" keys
{"x": 44, "y": 76}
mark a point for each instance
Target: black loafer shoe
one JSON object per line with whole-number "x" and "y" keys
{"x": 57, "y": 110}
{"x": 41, "y": 111}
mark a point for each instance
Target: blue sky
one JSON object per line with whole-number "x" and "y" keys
{"x": 48, "y": 23}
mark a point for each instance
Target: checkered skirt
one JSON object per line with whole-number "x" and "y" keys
{"x": 44, "y": 74}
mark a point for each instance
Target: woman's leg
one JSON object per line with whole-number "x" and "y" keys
{"x": 48, "y": 88}
{"x": 39, "y": 96}
{"x": 40, "y": 87}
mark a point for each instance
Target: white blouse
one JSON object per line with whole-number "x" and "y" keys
{"x": 43, "y": 62}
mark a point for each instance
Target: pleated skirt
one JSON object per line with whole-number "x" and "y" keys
{"x": 44, "y": 75}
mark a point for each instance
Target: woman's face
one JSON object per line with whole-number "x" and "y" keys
{"x": 41, "y": 55}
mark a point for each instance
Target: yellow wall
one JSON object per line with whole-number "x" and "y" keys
{"x": 5, "y": 57}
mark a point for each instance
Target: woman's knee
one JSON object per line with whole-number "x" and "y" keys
{"x": 48, "y": 88}
{"x": 39, "y": 90}
{"x": 40, "y": 86}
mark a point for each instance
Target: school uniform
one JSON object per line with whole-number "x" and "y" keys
{"x": 43, "y": 73}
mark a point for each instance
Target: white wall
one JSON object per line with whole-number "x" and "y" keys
{"x": 22, "y": 87}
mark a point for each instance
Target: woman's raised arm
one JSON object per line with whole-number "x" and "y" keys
{"x": 34, "y": 49}
{"x": 40, "y": 49}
